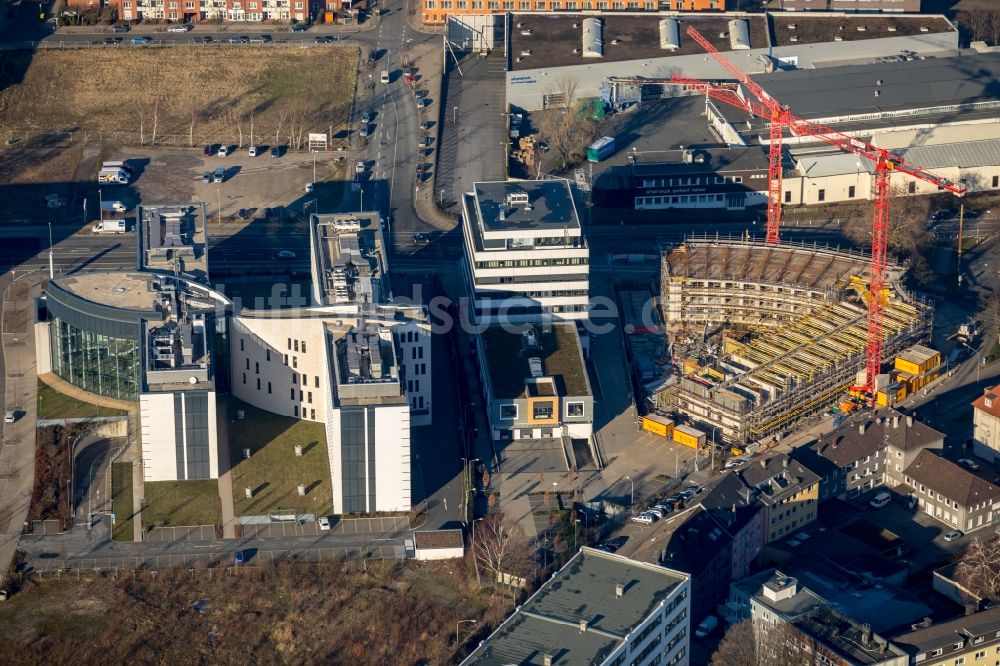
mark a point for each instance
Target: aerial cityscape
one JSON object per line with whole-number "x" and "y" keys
{"x": 546, "y": 333}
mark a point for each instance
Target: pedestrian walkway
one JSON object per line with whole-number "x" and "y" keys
{"x": 225, "y": 472}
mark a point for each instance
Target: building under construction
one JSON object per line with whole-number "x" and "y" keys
{"x": 764, "y": 335}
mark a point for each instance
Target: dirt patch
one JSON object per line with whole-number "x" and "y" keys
{"x": 390, "y": 614}
{"x": 50, "y": 498}
{"x": 177, "y": 96}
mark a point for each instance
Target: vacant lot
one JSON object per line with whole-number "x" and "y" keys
{"x": 50, "y": 499}
{"x": 273, "y": 471}
{"x": 394, "y": 614}
{"x": 181, "y": 503}
{"x": 178, "y": 95}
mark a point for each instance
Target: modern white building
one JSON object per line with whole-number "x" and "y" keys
{"x": 599, "y": 609}
{"x": 526, "y": 257}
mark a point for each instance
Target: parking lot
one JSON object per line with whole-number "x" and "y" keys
{"x": 175, "y": 175}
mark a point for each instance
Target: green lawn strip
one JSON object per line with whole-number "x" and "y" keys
{"x": 121, "y": 495}
{"x": 55, "y": 405}
{"x": 273, "y": 471}
{"x": 181, "y": 503}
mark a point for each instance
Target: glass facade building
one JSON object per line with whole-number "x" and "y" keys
{"x": 96, "y": 347}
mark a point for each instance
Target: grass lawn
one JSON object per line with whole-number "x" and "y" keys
{"x": 55, "y": 405}
{"x": 121, "y": 494}
{"x": 273, "y": 470}
{"x": 178, "y": 503}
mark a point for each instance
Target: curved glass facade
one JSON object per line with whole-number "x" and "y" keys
{"x": 96, "y": 347}
{"x": 94, "y": 362}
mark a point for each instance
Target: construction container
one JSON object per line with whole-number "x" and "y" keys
{"x": 918, "y": 360}
{"x": 892, "y": 394}
{"x": 658, "y": 425}
{"x": 689, "y": 436}
{"x": 601, "y": 149}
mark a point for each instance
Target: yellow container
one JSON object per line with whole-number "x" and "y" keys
{"x": 689, "y": 436}
{"x": 658, "y": 425}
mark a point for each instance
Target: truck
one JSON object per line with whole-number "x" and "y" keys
{"x": 112, "y": 207}
{"x": 601, "y": 149}
{"x": 109, "y": 227}
{"x": 113, "y": 176}
{"x": 117, "y": 165}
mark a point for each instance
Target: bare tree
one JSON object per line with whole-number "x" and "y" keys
{"x": 990, "y": 312}
{"x": 755, "y": 643}
{"x": 501, "y": 547}
{"x": 566, "y": 86}
{"x": 278, "y": 125}
{"x": 251, "y": 126}
{"x": 568, "y": 132}
{"x": 979, "y": 569}
{"x": 994, "y": 23}
{"x": 195, "y": 117}
{"x": 156, "y": 117}
{"x": 976, "y": 21}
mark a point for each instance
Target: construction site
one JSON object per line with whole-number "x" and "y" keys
{"x": 764, "y": 335}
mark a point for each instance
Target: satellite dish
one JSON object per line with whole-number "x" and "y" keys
{"x": 192, "y": 380}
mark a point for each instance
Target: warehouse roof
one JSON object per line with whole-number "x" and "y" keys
{"x": 585, "y": 590}
{"x": 840, "y": 91}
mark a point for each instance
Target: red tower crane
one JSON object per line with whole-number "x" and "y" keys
{"x": 775, "y": 113}
{"x": 885, "y": 161}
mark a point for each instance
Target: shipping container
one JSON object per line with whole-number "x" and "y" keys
{"x": 601, "y": 149}
{"x": 658, "y": 425}
{"x": 689, "y": 436}
{"x": 918, "y": 360}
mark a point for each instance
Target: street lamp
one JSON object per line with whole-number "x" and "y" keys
{"x": 459, "y": 623}
{"x": 631, "y": 499}
{"x": 454, "y": 115}
{"x": 441, "y": 198}
{"x": 475, "y": 557}
{"x": 314, "y": 167}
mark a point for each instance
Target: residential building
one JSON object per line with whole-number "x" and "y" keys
{"x": 536, "y": 383}
{"x": 735, "y": 507}
{"x": 772, "y": 598}
{"x": 599, "y": 609}
{"x": 868, "y": 451}
{"x": 986, "y": 425}
{"x": 787, "y": 489}
{"x": 969, "y": 640}
{"x": 951, "y": 493}
{"x": 194, "y": 11}
{"x": 526, "y": 258}
{"x": 436, "y": 12}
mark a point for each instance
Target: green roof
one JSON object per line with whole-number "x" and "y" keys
{"x": 558, "y": 347}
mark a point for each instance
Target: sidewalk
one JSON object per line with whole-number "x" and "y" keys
{"x": 225, "y": 472}
{"x": 17, "y": 453}
{"x": 426, "y": 58}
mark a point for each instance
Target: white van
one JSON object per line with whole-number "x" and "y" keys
{"x": 881, "y": 499}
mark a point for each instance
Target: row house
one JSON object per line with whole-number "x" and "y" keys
{"x": 193, "y": 11}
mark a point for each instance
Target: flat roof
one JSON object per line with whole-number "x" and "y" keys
{"x": 350, "y": 261}
{"x": 584, "y": 590}
{"x": 173, "y": 237}
{"x": 132, "y": 291}
{"x": 850, "y": 90}
{"x": 557, "y": 345}
{"x": 705, "y": 160}
{"x": 549, "y": 206}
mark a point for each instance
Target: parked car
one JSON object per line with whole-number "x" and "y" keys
{"x": 223, "y": 151}
{"x": 968, "y": 464}
{"x": 880, "y": 500}
{"x": 9, "y": 417}
{"x": 299, "y": 27}
{"x": 220, "y": 175}
{"x": 425, "y": 142}
{"x": 239, "y": 558}
{"x": 119, "y": 28}
{"x": 706, "y": 626}
{"x": 323, "y": 39}
{"x": 209, "y": 150}
{"x": 422, "y": 237}
{"x": 243, "y": 214}
{"x": 111, "y": 41}
{"x": 736, "y": 462}
{"x": 284, "y": 254}
{"x": 360, "y": 167}
{"x": 276, "y": 151}
{"x": 141, "y": 40}
{"x": 203, "y": 39}
{"x": 206, "y": 177}
{"x": 324, "y": 524}
{"x": 252, "y": 151}
{"x": 368, "y": 116}
{"x": 643, "y": 518}
{"x": 310, "y": 187}
{"x": 665, "y": 507}
{"x": 425, "y": 125}
{"x": 953, "y": 535}
{"x": 179, "y": 28}
{"x": 384, "y": 76}
{"x": 260, "y": 39}
{"x": 659, "y": 513}
{"x": 363, "y": 132}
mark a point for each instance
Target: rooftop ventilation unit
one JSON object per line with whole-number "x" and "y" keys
{"x": 535, "y": 367}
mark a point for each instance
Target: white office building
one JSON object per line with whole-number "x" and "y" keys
{"x": 527, "y": 260}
